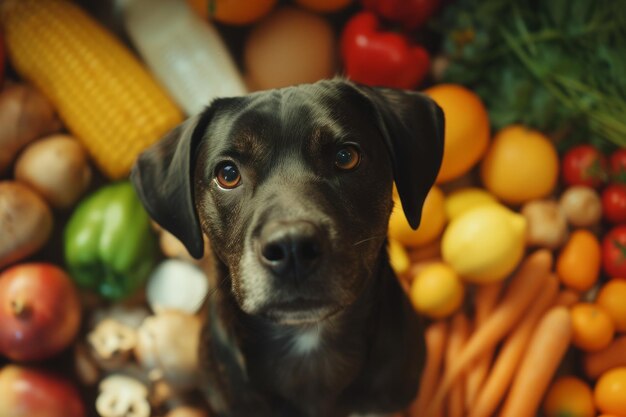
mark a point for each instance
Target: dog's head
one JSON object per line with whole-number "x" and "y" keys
{"x": 293, "y": 188}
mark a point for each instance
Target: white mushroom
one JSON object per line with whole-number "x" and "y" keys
{"x": 112, "y": 343}
{"x": 167, "y": 346}
{"x": 122, "y": 396}
{"x": 177, "y": 284}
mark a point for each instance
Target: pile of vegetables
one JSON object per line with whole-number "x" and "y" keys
{"x": 519, "y": 264}
{"x": 556, "y": 66}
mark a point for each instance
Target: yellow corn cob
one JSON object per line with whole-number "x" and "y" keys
{"x": 101, "y": 91}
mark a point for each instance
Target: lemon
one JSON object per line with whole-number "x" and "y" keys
{"x": 431, "y": 225}
{"x": 437, "y": 291}
{"x": 464, "y": 199}
{"x": 398, "y": 257}
{"x": 484, "y": 244}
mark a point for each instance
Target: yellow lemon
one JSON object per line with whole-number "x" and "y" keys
{"x": 484, "y": 244}
{"x": 398, "y": 257}
{"x": 464, "y": 199}
{"x": 431, "y": 225}
{"x": 466, "y": 131}
{"x": 437, "y": 291}
{"x": 521, "y": 165}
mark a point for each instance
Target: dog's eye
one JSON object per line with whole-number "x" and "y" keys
{"x": 227, "y": 175}
{"x": 347, "y": 157}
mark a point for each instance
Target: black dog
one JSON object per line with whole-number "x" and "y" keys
{"x": 293, "y": 188}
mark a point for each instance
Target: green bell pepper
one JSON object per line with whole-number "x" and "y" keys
{"x": 109, "y": 244}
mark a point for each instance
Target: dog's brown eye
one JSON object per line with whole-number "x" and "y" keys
{"x": 347, "y": 157}
{"x": 227, "y": 175}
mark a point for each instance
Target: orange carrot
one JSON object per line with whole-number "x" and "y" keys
{"x": 612, "y": 356}
{"x": 544, "y": 353}
{"x": 459, "y": 331}
{"x": 524, "y": 286}
{"x": 485, "y": 301}
{"x": 567, "y": 298}
{"x": 436, "y": 336}
{"x": 512, "y": 351}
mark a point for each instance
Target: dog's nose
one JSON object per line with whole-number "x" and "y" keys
{"x": 291, "y": 248}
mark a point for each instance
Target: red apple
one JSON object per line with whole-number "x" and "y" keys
{"x": 39, "y": 310}
{"x": 27, "y": 392}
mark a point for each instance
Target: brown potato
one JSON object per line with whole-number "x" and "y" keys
{"x": 25, "y": 115}
{"x": 57, "y": 168}
{"x": 25, "y": 222}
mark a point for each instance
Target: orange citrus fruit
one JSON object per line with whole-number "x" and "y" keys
{"x": 520, "y": 165}
{"x": 569, "y": 396}
{"x": 431, "y": 225}
{"x": 324, "y": 6}
{"x": 579, "y": 262}
{"x": 466, "y": 132}
{"x": 612, "y": 297}
{"x": 592, "y": 327}
{"x": 610, "y": 392}
{"x": 232, "y": 12}
{"x": 437, "y": 291}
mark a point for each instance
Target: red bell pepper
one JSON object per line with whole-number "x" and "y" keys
{"x": 378, "y": 58}
{"x": 411, "y": 14}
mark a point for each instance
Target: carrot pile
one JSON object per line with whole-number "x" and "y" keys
{"x": 499, "y": 358}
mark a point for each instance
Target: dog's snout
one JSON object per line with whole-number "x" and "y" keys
{"x": 292, "y": 248}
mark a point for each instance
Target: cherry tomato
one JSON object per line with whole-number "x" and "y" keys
{"x": 617, "y": 163}
{"x": 614, "y": 203}
{"x": 584, "y": 165}
{"x": 614, "y": 252}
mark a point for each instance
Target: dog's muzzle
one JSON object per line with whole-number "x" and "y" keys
{"x": 291, "y": 249}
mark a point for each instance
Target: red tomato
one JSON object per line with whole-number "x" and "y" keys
{"x": 584, "y": 165}
{"x": 409, "y": 13}
{"x": 614, "y": 252}
{"x": 614, "y": 203}
{"x": 617, "y": 163}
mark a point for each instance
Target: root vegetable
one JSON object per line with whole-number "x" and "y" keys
{"x": 581, "y": 205}
{"x": 485, "y": 301}
{"x": 511, "y": 352}
{"x": 436, "y": 336}
{"x": 25, "y": 115}
{"x": 522, "y": 290}
{"x": 178, "y": 285}
{"x": 57, "y": 168}
{"x": 25, "y": 222}
{"x": 612, "y": 356}
{"x": 545, "y": 351}
{"x": 547, "y": 225}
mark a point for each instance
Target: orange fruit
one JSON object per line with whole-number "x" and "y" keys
{"x": 520, "y": 165}
{"x": 612, "y": 297}
{"x": 592, "y": 327}
{"x": 431, "y": 225}
{"x": 569, "y": 396}
{"x": 324, "y": 6}
{"x": 466, "y": 129}
{"x": 437, "y": 291}
{"x": 232, "y": 12}
{"x": 579, "y": 262}
{"x": 610, "y": 392}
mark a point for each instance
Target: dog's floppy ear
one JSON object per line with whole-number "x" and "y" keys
{"x": 412, "y": 125}
{"x": 162, "y": 176}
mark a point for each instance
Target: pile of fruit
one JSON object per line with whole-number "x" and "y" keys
{"x": 519, "y": 264}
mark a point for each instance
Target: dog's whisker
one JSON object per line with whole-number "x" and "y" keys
{"x": 360, "y": 242}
